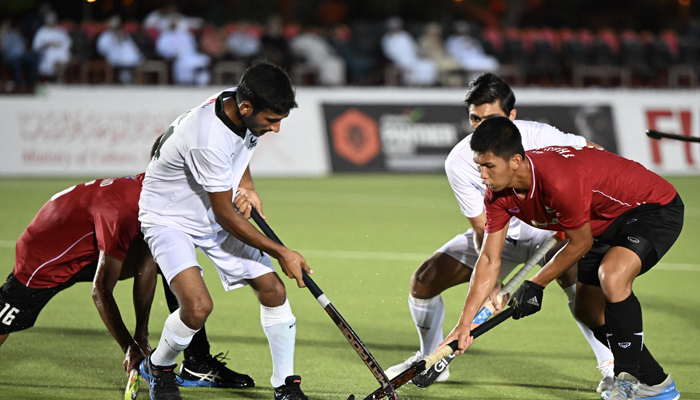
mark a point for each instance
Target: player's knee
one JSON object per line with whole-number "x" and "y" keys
{"x": 422, "y": 282}
{"x": 195, "y": 314}
{"x": 274, "y": 295}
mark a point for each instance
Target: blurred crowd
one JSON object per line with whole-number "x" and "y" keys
{"x": 168, "y": 47}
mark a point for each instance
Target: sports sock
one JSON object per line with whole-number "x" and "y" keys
{"x": 174, "y": 339}
{"x": 280, "y": 328}
{"x": 599, "y": 334}
{"x": 199, "y": 346}
{"x": 623, "y": 322}
{"x": 602, "y": 352}
{"x": 650, "y": 372}
{"x": 428, "y": 315}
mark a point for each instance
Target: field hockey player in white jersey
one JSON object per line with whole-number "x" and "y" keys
{"x": 452, "y": 264}
{"x": 188, "y": 201}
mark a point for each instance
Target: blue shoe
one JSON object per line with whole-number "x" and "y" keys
{"x": 211, "y": 371}
{"x": 665, "y": 390}
{"x": 161, "y": 381}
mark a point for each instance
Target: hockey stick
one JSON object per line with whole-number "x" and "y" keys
{"x": 488, "y": 309}
{"x": 345, "y": 329}
{"x": 440, "y": 353}
{"x": 658, "y": 135}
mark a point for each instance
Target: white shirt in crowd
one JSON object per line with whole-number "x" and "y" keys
{"x": 53, "y": 43}
{"x": 119, "y": 49}
{"x": 463, "y": 173}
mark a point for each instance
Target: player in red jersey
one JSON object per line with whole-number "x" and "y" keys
{"x": 86, "y": 233}
{"x": 620, "y": 218}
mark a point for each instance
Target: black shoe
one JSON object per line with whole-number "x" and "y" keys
{"x": 291, "y": 390}
{"x": 428, "y": 377}
{"x": 161, "y": 381}
{"x": 211, "y": 371}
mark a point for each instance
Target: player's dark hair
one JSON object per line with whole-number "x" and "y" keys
{"x": 500, "y": 136}
{"x": 267, "y": 87}
{"x": 487, "y": 88}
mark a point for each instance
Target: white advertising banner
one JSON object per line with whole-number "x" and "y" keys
{"x": 109, "y": 130}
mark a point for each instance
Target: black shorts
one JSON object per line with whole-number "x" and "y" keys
{"x": 648, "y": 230}
{"x": 20, "y": 306}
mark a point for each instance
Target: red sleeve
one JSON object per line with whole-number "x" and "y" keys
{"x": 497, "y": 216}
{"x": 116, "y": 222}
{"x": 571, "y": 200}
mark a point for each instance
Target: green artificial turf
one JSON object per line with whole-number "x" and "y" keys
{"x": 363, "y": 235}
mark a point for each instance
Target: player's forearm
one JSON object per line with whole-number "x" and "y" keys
{"x": 235, "y": 224}
{"x": 144, "y": 291}
{"x": 247, "y": 180}
{"x": 484, "y": 279}
{"x": 561, "y": 262}
{"x": 109, "y": 312}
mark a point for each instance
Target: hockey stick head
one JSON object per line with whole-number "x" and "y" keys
{"x": 653, "y": 134}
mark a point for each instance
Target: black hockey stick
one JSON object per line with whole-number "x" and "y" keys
{"x": 658, "y": 135}
{"x": 345, "y": 329}
{"x": 439, "y": 354}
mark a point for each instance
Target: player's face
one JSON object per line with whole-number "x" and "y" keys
{"x": 263, "y": 122}
{"x": 495, "y": 172}
{"x": 480, "y": 112}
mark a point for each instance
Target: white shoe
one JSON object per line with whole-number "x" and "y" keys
{"x": 395, "y": 370}
{"x": 625, "y": 387}
{"x": 607, "y": 369}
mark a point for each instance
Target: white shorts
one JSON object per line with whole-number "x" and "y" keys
{"x": 236, "y": 262}
{"x": 515, "y": 252}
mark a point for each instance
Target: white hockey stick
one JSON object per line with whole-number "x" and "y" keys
{"x": 488, "y": 309}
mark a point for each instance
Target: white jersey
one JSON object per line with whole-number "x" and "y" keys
{"x": 199, "y": 154}
{"x": 463, "y": 173}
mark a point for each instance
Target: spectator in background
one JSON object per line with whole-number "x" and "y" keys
{"x": 273, "y": 44}
{"x": 160, "y": 19}
{"x": 313, "y": 48}
{"x": 430, "y": 46}
{"x": 18, "y": 59}
{"x": 401, "y": 49}
{"x": 178, "y": 44}
{"x": 52, "y": 42}
{"x": 469, "y": 52}
{"x": 212, "y": 42}
{"x": 243, "y": 43}
{"x": 120, "y": 51}
{"x": 357, "y": 64}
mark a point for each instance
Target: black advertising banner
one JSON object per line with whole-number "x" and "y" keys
{"x": 401, "y": 138}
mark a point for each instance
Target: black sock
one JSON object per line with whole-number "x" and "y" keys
{"x": 599, "y": 334}
{"x": 650, "y": 372}
{"x": 623, "y": 322}
{"x": 199, "y": 346}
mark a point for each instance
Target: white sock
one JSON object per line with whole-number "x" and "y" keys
{"x": 280, "y": 328}
{"x": 175, "y": 338}
{"x": 428, "y": 315}
{"x": 602, "y": 353}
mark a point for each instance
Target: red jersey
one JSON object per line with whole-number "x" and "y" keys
{"x": 571, "y": 186}
{"x": 74, "y": 226}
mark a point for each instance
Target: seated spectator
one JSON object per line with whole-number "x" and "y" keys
{"x": 357, "y": 64}
{"x": 316, "y": 51}
{"x": 52, "y": 42}
{"x": 178, "y": 44}
{"x": 469, "y": 52}
{"x": 401, "y": 49}
{"x": 212, "y": 42}
{"x": 160, "y": 19}
{"x": 273, "y": 44}
{"x": 430, "y": 46}
{"x": 120, "y": 51}
{"x": 243, "y": 43}
{"x": 18, "y": 59}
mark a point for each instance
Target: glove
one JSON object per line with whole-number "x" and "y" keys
{"x": 527, "y": 300}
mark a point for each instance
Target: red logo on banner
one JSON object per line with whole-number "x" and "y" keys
{"x": 653, "y": 117}
{"x": 356, "y": 137}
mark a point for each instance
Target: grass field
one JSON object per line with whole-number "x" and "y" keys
{"x": 363, "y": 236}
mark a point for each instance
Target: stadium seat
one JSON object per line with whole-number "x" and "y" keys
{"x": 634, "y": 55}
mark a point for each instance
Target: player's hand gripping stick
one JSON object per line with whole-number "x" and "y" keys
{"x": 440, "y": 353}
{"x": 345, "y": 329}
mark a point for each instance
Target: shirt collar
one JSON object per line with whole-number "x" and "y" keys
{"x": 221, "y": 114}
{"x": 532, "y": 172}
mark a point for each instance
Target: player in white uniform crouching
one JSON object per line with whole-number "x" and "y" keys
{"x": 452, "y": 264}
{"x": 187, "y": 201}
